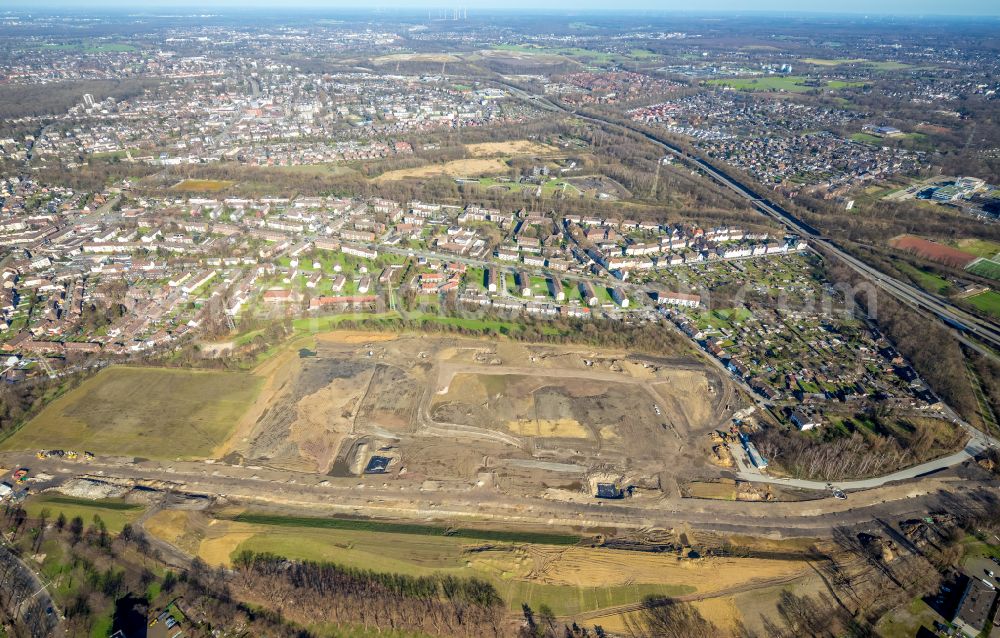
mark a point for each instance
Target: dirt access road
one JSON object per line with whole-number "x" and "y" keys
{"x": 376, "y": 497}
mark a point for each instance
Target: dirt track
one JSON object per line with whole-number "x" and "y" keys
{"x": 313, "y": 494}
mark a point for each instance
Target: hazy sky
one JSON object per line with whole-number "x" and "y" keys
{"x": 883, "y": 7}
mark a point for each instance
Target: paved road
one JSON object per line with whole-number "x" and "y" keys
{"x": 749, "y": 473}
{"x": 28, "y": 597}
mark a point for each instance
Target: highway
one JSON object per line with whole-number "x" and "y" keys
{"x": 967, "y": 327}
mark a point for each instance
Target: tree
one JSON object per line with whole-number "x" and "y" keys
{"x": 663, "y": 617}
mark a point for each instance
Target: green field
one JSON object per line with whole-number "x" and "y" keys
{"x": 538, "y": 538}
{"x": 986, "y": 268}
{"x": 418, "y": 550}
{"x": 115, "y": 513}
{"x": 789, "y": 83}
{"x": 926, "y": 280}
{"x": 879, "y": 65}
{"x": 866, "y": 138}
{"x": 979, "y": 247}
{"x": 146, "y": 412}
{"x": 988, "y": 302}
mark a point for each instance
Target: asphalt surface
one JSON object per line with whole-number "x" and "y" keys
{"x": 749, "y": 473}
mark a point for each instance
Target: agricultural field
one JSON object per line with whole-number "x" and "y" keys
{"x": 201, "y": 185}
{"x": 142, "y": 412}
{"x": 570, "y": 579}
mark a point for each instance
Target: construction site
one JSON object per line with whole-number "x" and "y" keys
{"x": 453, "y": 413}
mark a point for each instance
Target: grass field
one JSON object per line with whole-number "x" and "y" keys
{"x": 201, "y": 185}
{"x": 988, "y": 302}
{"x": 538, "y": 538}
{"x": 879, "y": 65}
{"x": 115, "y": 513}
{"x": 986, "y": 268}
{"x": 866, "y": 138}
{"x": 525, "y": 566}
{"x": 146, "y": 412}
{"x": 506, "y": 566}
{"x": 789, "y": 83}
{"x": 979, "y": 247}
{"x": 926, "y": 280}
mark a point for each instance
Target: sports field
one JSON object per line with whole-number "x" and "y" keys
{"x": 985, "y": 268}
{"x": 145, "y": 412}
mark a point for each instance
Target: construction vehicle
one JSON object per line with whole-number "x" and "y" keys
{"x": 20, "y": 476}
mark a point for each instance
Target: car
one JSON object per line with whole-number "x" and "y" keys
{"x": 839, "y": 494}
